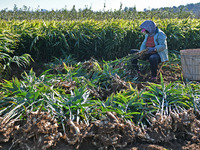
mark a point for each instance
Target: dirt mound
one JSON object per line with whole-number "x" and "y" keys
{"x": 40, "y": 132}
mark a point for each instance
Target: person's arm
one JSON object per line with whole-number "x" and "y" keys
{"x": 143, "y": 45}
{"x": 162, "y": 42}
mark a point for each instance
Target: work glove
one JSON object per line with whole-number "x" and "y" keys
{"x": 151, "y": 50}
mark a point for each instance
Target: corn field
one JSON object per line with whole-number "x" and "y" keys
{"x": 87, "y": 95}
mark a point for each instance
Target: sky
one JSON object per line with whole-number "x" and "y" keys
{"x": 95, "y": 5}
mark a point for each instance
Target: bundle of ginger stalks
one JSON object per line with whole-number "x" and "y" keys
{"x": 129, "y": 57}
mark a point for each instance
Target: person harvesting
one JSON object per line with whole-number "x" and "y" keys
{"x": 155, "y": 42}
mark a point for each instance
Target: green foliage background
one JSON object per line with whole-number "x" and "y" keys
{"x": 102, "y": 39}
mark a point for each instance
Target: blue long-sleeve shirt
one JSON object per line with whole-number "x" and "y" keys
{"x": 160, "y": 40}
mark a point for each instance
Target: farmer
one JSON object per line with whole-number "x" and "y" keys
{"x": 156, "y": 44}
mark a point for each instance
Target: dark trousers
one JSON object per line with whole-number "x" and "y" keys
{"x": 154, "y": 60}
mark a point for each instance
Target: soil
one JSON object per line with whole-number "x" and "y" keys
{"x": 173, "y": 145}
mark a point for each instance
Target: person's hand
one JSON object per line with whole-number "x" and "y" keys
{"x": 151, "y": 50}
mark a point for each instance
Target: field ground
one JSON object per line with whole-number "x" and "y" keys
{"x": 110, "y": 133}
